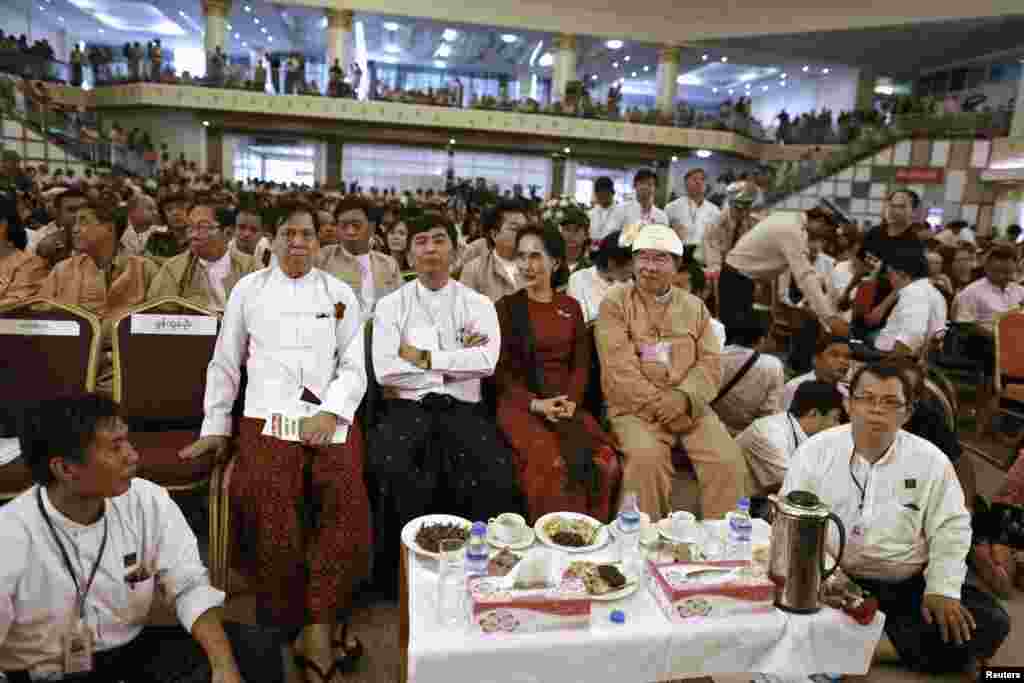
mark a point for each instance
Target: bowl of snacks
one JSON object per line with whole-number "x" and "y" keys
{"x": 423, "y": 535}
{"x": 571, "y": 531}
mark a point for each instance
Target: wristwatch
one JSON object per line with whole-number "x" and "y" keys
{"x": 424, "y": 360}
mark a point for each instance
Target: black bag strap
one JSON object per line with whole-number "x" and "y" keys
{"x": 744, "y": 369}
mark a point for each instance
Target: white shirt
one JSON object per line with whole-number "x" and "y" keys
{"x": 824, "y": 266}
{"x": 898, "y": 541}
{"x": 367, "y": 289}
{"x": 37, "y": 593}
{"x": 768, "y": 443}
{"x": 599, "y": 216}
{"x": 589, "y": 289}
{"x": 38, "y": 235}
{"x": 431, "y": 321}
{"x": 134, "y": 242}
{"x": 789, "y": 391}
{"x": 919, "y": 313}
{"x": 627, "y": 214}
{"x": 215, "y": 273}
{"x": 685, "y": 214}
{"x": 287, "y": 329}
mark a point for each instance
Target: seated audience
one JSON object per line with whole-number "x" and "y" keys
{"x": 660, "y": 368}
{"x": 908, "y": 527}
{"x": 565, "y": 461}
{"x": 639, "y": 211}
{"x": 371, "y": 274}
{"x": 692, "y": 214}
{"x": 164, "y": 243}
{"x": 752, "y": 382}
{"x": 613, "y": 263}
{"x": 984, "y": 300}
{"x": 53, "y": 242}
{"x": 939, "y": 280}
{"x": 250, "y": 239}
{"x": 206, "y": 273}
{"x": 100, "y": 277}
{"x": 770, "y": 441}
{"x": 962, "y": 266}
{"x": 88, "y": 504}
{"x": 300, "y": 507}
{"x": 831, "y": 365}
{"x": 141, "y": 214}
{"x": 21, "y": 273}
{"x": 691, "y": 278}
{"x": 823, "y": 264}
{"x": 956, "y": 231}
{"x": 494, "y": 274}
{"x": 575, "y": 230}
{"x": 920, "y": 309}
{"x": 435, "y": 448}
{"x": 397, "y": 239}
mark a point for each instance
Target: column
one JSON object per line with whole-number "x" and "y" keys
{"x": 564, "y": 65}
{"x": 865, "y": 90}
{"x": 525, "y": 84}
{"x": 216, "y": 13}
{"x": 61, "y": 47}
{"x": 664, "y": 171}
{"x": 214, "y": 150}
{"x": 335, "y": 161}
{"x": 557, "y": 175}
{"x": 668, "y": 75}
{"x": 1017, "y": 125}
{"x": 339, "y": 38}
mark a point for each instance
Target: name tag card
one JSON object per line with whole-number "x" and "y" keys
{"x": 40, "y": 328}
{"x": 187, "y": 325}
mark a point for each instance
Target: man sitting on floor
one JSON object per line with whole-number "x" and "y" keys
{"x": 908, "y": 530}
{"x": 752, "y": 382}
{"x": 831, "y": 365}
{"x": 84, "y": 551}
{"x": 770, "y": 441}
{"x": 436, "y": 449}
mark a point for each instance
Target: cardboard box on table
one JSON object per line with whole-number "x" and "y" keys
{"x": 745, "y": 591}
{"x": 497, "y": 609}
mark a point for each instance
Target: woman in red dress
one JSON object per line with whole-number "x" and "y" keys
{"x": 564, "y": 460}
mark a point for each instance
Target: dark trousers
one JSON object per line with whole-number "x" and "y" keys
{"x": 437, "y": 455}
{"x": 919, "y": 644}
{"x": 735, "y": 297}
{"x": 168, "y": 654}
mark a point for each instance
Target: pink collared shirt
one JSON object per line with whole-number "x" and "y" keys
{"x": 981, "y": 301}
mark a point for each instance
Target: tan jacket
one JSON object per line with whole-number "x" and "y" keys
{"x": 170, "y": 281}
{"x": 76, "y": 280}
{"x": 21, "y": 275}
{"x": 630, "y": 384}
{"x": 485, "y": 275}
{"x": 721, "y": 236}
{"x": 386, "y": 275}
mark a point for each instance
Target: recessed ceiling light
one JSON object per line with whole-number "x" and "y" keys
{"x": 704, "y": 58}
{"x": 61, "y": 18}
{"x": 613, "y": 44}
{"x": 247, "y": 8}
{"x": 546, "y": 59}
{"x": 567, "y": 150}
{"x": 647, "y": 68}
{"x": 724, "y": 60}
{"x": 390, "y": 26}
{"x": 594, "y": 77}
{"x": 714, "y": 90}
{"x": 451, "y": 141}
{"x": 229, "y": 27}
{"x": 806, "y": 69}
{"x": 825, "y": 71}
{"x": 237, "y": 36}
{"x": 784, "y": 76}
{"x": 263, "y": 29}
{"x": 440, "y": 64}
{"x": 445, "y": 51}
{"x": 509, "y": 38}
{"x": 626, "y": 58}
{"x": 615, "y": 65}
{"x": 256, "y": 20}
{"x": 181, "y": 12}
{"x": 634, "y": 74}
{"x": 101, "y": 30}
{"x": 206, "y": 123}
{"x": 245, "y": 44}
{"x": 730, "y": 91}
{"x": 42, "y": 9}
{"x": 450, "y": 34}
{"x": 270, "y": 38}
{"x": 393, "y": 49}
{"x": 703, "y": 153}
{"x": 764, "y": 87}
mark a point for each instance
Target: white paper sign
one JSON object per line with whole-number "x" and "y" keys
{"x": 190, "y": 325}
{"x": 40, "y": 328}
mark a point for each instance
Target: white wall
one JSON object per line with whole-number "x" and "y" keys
{"x": 837, "y": 92}
{"x": 183, "y": 131}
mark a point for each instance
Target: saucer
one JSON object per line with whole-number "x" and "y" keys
{"x": 525, "y": 540}
{"x": 668, "y": 533}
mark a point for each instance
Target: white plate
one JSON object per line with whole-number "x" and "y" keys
{"x": 632, "y": 584}
{"x": 524, "y": 542}
{"x": 666, "y": 531}
{"x": 602, "y": 535}
{"x": 410, "y": 530}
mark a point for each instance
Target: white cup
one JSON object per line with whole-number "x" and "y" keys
{"x": 683, "y": 524}
{"x": 508, "y": 527}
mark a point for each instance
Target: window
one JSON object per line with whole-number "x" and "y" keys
{"x": 1006, "y": 71}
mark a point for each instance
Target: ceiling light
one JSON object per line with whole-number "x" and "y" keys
{"x": 730, "y": 91}
{"x": 622, "y": 81}
{"x": 440, "y": 64}
{"x": 703, "y": 153}
{"x": 704, "y": 58}
{"x": 256, "y": 20}
{"x": 181, "y": 12}
{"x": 393, "y": 49}
{"x": 101, "y": 30}
{"x": 451, "y": 141}
{"x": 450, "y": 34}
{"x": 229, "y": 27}
{"x": 634, "y": 74}
{"x": 714, "y": 90}
{"x": 674, "y": 158}
{"x": 614, "y": 45}
{"x": 509, "y": 38}
{"x": 61, "y": 18}
{"x": 724, "y": 60}
{"x": 626, "y": 58}
{"x": 615, "y": 65}
{"x": 206, "y": 123}
{"x": 247, "y": 8}
{"x": 764, "y": 87}
{"x": 263, "y": 29}
{"x": 567, "y": 150}
{"x": 594, "y": 77}
{"x": 270, "y": 38}
{"x": 784, "y": 76}
{"x": 647, "y": 68}
{"x": 42, "y": 9}
{"x": 546, "y": 59}
{"x": 444, "y": 52}
{"x": 237, "y": 36}
{"x": 806, "y": 69}
{"x": 825, "y": 71}
{"x": 390, "y": 26}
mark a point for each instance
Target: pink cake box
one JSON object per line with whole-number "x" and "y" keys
{"x": 497, "y": 609}
{"x": 681, "y": 598}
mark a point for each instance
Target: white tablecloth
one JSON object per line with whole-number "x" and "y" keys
{"x": 644, "y": 649}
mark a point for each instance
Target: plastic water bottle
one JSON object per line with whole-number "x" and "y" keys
{"x": 741, "y": 528}
{"x": 476, "y": 551}
{"x": 628, "y": 531}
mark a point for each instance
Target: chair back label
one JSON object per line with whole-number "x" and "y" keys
{"x": 191, "y": 325}
{"x": 39, "y": 328}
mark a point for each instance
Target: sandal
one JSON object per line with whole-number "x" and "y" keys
{"x": 305, "y": 665}
{"x": 348, "y": 663}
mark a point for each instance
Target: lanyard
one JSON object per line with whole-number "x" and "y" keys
{"x": 82, "y": 595}
{"x": 863, "y": 488}
{"x": 796, "y": 439}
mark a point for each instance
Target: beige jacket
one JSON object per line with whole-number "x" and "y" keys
{"x": 386, "y": 275}
{"x": 170, "y": 281}
{"x": 485, "y": 275}
{"x": 21, "y": 275}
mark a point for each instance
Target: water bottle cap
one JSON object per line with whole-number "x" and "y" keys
{"x": 618, "y": 616}
{"x": 744, "y": 503}
{"x": 479, "y": 529}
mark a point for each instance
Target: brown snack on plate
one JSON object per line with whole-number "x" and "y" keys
{"x": 569, "y": 539}
{"x": 681, "y": 552}
{"x": 502, "y": 563}
{"x": 611, "y": 575}
{"x": 429, "y": 536}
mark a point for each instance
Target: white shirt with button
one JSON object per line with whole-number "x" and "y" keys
{"x": 695, "y": 218}
{"x": 630, "y": 213}
{"x": 914, "y": 517}
{"x": 146, "y": 531}
{"x": 919, "y": 314}
{"x": 768, "y": 444}
{"x": 288, "y": 329}
{"x": 431, "y": 321}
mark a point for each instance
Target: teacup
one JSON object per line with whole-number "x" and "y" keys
{"x": 508, "y": 527}
{"x": 683, "y": 524}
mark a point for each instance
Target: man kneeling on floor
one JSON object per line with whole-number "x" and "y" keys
{"x": 907, "y": 528}
{"x": 83, "y": 551}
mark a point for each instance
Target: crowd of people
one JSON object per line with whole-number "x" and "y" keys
{"x": 531, "y": 356}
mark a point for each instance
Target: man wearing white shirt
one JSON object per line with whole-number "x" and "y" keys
{"x": 604, "y": 196}
{"x": 141, "y": 211}
{"x": 302, "y": 506}
{"x": 920, "y": 310}
{"x": 908, "y": 530}
{"x": 691, "y": 215}
{"x": 84, "y": 550}
{"x": 436, "y": 448}
{"x": 640, "y": 211}
{"x": 831, "y": 365}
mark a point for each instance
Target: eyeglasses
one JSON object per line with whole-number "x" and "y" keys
{"x": 656, "y": 259}
{"x": 203, "y": 228}
{"x": 890, "y": 403}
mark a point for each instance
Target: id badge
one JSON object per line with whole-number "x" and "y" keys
{"x": 77, "y": 647}
{"x": 655, "y": 353}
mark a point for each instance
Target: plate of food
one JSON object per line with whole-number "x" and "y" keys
{"x": 604, "y": 581}
{"x": 571, "y": 531}
{"x": 423, "y": 535}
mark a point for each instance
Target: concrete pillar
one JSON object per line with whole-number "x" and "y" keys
{"x": 217, "y": 13}
{"x": 557, "y": 175}
{"x": 865, "y": 90}
{"x": 664, "y": 171}
{"x": 339, "y": 38}
{"x": 1017, "y": 126}
{"x": 564, "y": 65}
{"x": 668, "y": 75}
{"x": 525, "y": 84}
{"x": 214, "y": 150}
{"x": 335, "y": 162}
